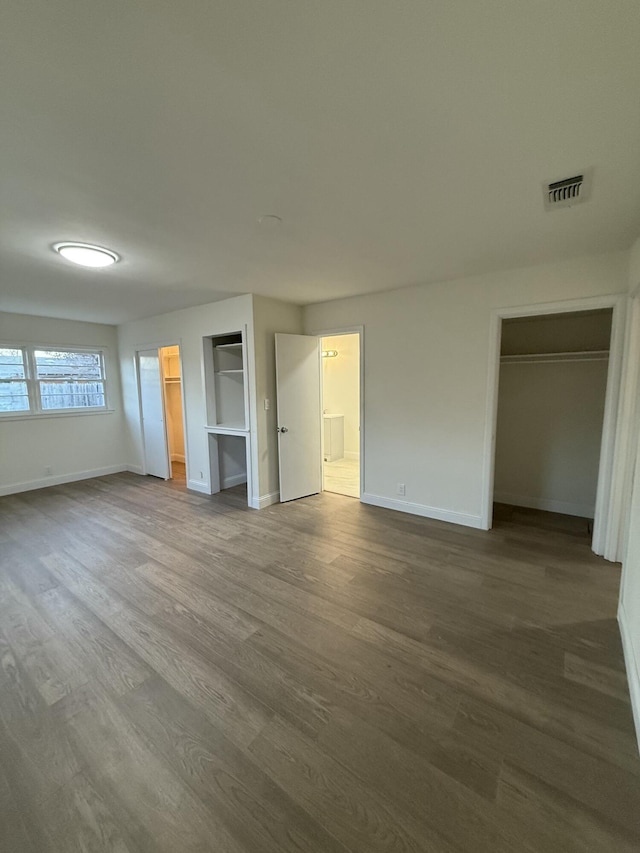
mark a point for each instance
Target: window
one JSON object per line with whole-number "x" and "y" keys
{"x": 34, "y": 380}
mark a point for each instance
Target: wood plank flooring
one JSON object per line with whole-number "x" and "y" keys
{"x": 179, "y": 673}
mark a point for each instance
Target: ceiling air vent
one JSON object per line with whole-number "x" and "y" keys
{"x": 567, "y": 192}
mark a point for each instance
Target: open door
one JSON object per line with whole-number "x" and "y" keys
{"x": 156, "y": 455}
{"x": 298, "y": 392}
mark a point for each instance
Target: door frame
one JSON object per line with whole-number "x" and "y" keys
{"x": 136, "y": 366}
{"x": 608, "y": 515}
{"x": 347, "y": 330}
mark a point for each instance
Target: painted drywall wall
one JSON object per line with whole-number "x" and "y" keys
{"x": 634, "y": 268}
{"x": 270, "y": 316}
{"x": 548, "y": 435}
{"x": 341, "y": 387}
{"x": 629, "y": 608}
{"x": 73, "y": 446}
{"x": 426, "y": 371}
{"x": 186, "y": 328}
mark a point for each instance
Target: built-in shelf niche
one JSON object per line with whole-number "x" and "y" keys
{"x": 225, "y": 382}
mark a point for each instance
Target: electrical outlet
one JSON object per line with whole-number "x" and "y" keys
{"x": 267, "y": 405}
{"x": 401, "y": 489}
{"x": 48, "y": 470}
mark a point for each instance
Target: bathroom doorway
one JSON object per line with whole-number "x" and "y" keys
{"x": 341, "y": 414}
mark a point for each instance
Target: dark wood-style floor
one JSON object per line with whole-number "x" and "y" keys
{"x": 180, "y": 673}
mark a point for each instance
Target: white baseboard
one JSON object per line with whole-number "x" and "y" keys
{"x": 352, "y": 454}
{"x": 265, "y": 500}
{"x": 423, "y": 510}
{"x": 563, "y": 507}
{"x": 234, "y": 480}
{"x": 177, "y": 457}
{"x": 135, "y": 469}
{"x": 60, "y": 479}
{"x": 632, "y": 665}
{"x": 198, "y": 486}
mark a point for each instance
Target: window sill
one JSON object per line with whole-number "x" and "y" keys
{"x": 33, "y": 416}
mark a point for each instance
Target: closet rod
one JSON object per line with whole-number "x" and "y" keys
{"x": 553, "y": 357}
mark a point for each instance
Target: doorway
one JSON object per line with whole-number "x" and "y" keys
{"x": 555, "y": 400}
{"x": 174, "y": 417}
{"x": 162, "y": 413}
{"x": 301, "y": 420}
{"x": 341, "y": 414}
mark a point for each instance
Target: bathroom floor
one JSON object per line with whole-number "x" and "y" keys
{"x": 343, "y": 477}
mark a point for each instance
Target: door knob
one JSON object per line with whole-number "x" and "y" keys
{"x": 283, "y": 429}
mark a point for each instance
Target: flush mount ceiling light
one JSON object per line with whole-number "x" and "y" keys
{"x": 86, "y": 255}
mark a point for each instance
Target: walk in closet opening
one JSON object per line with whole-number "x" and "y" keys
{"x": 551, "y": 405}
{"x": 162, "y": 410}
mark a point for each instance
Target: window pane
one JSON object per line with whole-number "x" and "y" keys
{"x": 72, "y": 395}
{"x": 14, "y": 397}
{"x": 68, "y": 365}
{"x": 11, "y": 363}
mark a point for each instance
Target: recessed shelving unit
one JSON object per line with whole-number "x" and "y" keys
{"x": 226, "y": 391}
{"x": 225, "y": 382}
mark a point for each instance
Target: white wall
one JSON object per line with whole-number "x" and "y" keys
{"x": 629, "y": 610}
{"x": 73, "y": 446}
{"x": 548, "y": 436}
{"x": 341, "y": 386}
{"x": 186, "y": 328}
{"x": 270, "y": 316}
{"x": 426, "y": 371}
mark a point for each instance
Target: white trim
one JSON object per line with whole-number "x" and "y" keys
{"x": 632, "y": 666}
{"x": 423, "y": 510}
{"x": 135, "y": 469}
{"x": 8, "y": 417}
{"x": 626, "y": 436}
{"x": 233, "y": 480}
{"x": 58, "y": 480}
{"x": 199, "y": 486}
{"x": 264, "y": 501}
{"x": 607, "y": 515}
{"x": 564, "y": 507}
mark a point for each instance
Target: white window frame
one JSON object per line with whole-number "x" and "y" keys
{"x": 35, "y": 409}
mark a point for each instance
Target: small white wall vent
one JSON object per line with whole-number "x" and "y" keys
{"x": 567, "y": 192}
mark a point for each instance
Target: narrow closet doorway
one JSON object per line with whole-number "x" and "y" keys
{"x": 341, "y": 414}
{"x": 174, "y": 420}
{"x": 551, "y": 405}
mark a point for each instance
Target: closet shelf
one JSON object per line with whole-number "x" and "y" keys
{"x": 225, "y": 372}
{"x": 229, "y": 346}
{"x": 227, "y": 429}
{"x": 553, "y": 357}
{"x": 172, "y": 379}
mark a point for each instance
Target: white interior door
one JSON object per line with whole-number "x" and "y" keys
{"x": 299, "y": 441}
{"x": 156, "y": 455}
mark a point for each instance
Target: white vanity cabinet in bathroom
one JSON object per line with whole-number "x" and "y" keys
{"x": 333, "y": 437}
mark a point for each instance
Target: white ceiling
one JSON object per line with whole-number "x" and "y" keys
{"x": 401, "y": 141}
